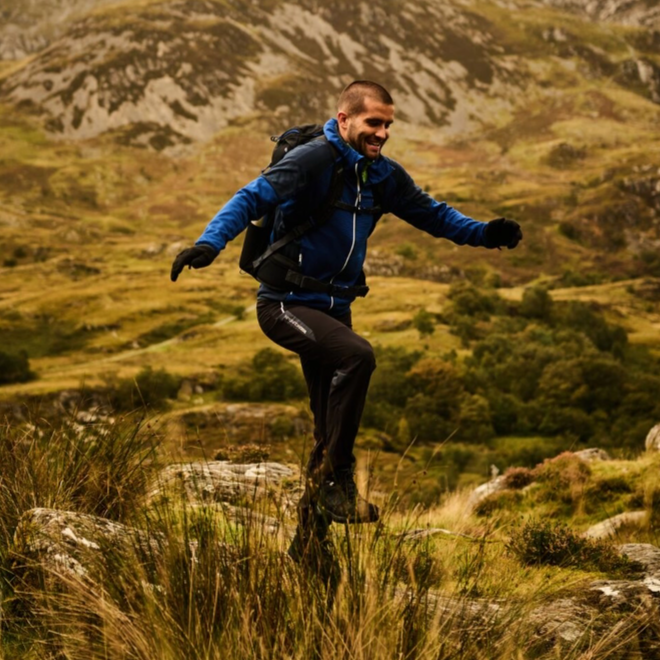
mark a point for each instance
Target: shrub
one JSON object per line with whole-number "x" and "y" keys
{"x": 103, "y": 469}
{"x": 468, "y": 300}
{"x": 564, "y": 478}
{"x": 518, "y": 477}
{"x": 563, "y": 471}
{"x": 536, "y": 303}
{"x": 424, "y": 323}
{"x": 15, "y": 368}
{"x": 537, "y": 543}
{"x": 605, "y": 492}
{"x": 652, "y": 505}
{"x": 149, "y": 389}
{"x": 407, "y": 251}
{"x": 268, "y": 377}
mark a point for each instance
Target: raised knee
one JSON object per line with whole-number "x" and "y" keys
{"x": 364, "y": 354}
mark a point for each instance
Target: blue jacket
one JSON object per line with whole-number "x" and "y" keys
{"x": 335, "y": 252}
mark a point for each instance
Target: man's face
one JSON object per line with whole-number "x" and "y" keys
{"x": 367, "y": 131}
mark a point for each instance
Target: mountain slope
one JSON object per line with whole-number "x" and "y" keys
{"x": 168, "y": 73}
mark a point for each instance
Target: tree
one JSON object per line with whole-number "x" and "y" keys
{"x": 15, "y": 368}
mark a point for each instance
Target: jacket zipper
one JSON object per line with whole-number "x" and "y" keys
{"x": 358, "y": 201}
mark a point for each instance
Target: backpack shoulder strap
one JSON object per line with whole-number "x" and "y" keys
{"x": 322, "y": 216}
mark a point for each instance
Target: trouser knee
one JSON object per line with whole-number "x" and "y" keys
{"x": 363, "y": 356}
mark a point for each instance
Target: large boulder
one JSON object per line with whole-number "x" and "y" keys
{"x": 612, "y": 525}
{"x": 222, "y": 481}
{"x": 70, "y": 543}
{"x": 653, "y": 439}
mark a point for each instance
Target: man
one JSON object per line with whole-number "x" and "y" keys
{"x": 312, "y": 316}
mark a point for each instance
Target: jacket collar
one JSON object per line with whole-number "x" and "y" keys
{"x": 379, "y": 169}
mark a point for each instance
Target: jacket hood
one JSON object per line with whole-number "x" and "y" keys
{"x": 379, "y": 169}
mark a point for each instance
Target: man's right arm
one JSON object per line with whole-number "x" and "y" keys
{"x": 250, "y": 203}
{"x": 283, "y": 181}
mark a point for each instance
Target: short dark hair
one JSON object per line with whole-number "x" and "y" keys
{"x": 351, "y": 100}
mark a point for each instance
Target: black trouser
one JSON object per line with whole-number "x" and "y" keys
{"x": 337, "y": 365}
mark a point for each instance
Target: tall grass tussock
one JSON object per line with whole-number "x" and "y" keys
{"x": 188, "y": 578}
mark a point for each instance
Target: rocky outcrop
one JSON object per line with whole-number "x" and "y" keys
{"x": 612, "y": 525}
{"x": 653, "y": 439}
{"x": 181, "y": 71}
{"x": 222, "y": 481}
{"x": 28, "y": 26}
{"x": 480, "y": 493}
{"x": 72, "y": 543}
{"x": 593, "y": 454}
{"x": 627, "y": 12}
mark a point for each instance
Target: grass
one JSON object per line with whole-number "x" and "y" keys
{"x": 208, "y": 587}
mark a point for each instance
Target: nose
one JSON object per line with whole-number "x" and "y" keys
{"x": 382, "y": 133}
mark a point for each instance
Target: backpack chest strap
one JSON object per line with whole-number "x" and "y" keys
{"x": 374, "y": 210}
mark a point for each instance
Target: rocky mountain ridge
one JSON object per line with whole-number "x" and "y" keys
{"x": 180, "y": 71}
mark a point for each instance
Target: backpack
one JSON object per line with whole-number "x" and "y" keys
{"x": 264, "y": 261}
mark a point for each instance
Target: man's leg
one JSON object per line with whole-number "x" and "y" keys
{"x": 337, "y": 364}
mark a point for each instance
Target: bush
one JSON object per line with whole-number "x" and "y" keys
{"x": 149, "y": 389}
{"x": 268, "y": 377}
{"x": 518, "y": 477}
{"x": 564, "y": 477}
{"x": 537, "y": 303}
{"x": 424, "y": 323}
{"x": 537, "y": 543}
{"x": 15, "y": 368}
{"x": 467, "y": 300}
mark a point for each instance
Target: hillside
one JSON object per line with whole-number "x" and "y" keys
{"x": 152, "y": 437}
{"x": 125, "y": 132}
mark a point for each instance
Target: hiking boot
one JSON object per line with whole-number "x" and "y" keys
{"x": 315, "y": 554}
{"x": 339, "y": 500}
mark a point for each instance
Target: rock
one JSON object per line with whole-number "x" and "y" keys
{"x": 560, "y": 623}
{"x": 593, "y": 454}
{"x": 246, "y": 517}
{"x": 485, "y": 490}
{"x": 610, "y": 526}
{"x": 71, "y": 543}
{"x": 653, "y": 439}
{"x": 626, "y": 595}
{"x": 222, "y": 481}
{"x": 646, "y": 554}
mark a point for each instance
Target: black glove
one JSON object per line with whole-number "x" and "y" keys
{"x": 502, "y": 232}
{"x": 198, "y": 256}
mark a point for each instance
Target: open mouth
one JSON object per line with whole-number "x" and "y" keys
{"x": 374, "y": 145}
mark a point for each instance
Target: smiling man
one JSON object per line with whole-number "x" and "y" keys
{"x": 339, "y": 186}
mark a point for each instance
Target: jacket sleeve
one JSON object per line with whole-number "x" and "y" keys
{"x": 276, "y": 185}
{"x": 410, "y": 203}
{"x": 249, "y": 203}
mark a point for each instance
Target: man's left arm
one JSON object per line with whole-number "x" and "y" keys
{"x": 412, "y": 204}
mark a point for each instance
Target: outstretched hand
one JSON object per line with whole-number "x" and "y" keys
{"x": 198, "y": 256}
{"x": 502, "y": 232}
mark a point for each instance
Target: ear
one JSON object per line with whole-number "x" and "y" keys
{"x": 342, "y": 120}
